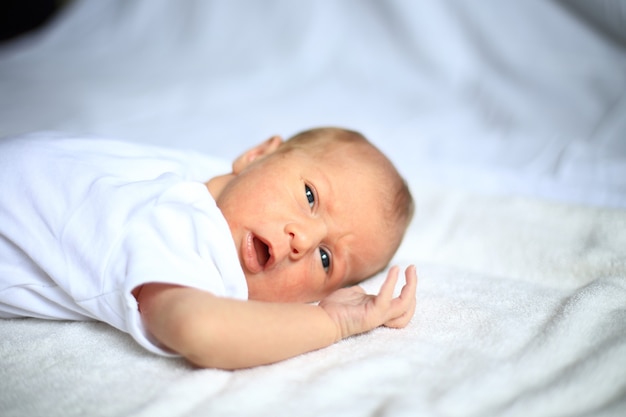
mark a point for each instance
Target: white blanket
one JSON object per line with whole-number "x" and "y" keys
{"x": 508, "y": 119}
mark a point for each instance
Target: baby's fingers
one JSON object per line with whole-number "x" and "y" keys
{"x": 404, "y": 305}
{"x": 410, "y": 286}
{"x": 386, "y": 290}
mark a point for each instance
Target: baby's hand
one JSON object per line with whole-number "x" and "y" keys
{"x": 355, "y": 312}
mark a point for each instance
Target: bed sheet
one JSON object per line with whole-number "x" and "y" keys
{"x": 508, "y": 120}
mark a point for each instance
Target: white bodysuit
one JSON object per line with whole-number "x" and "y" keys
{"x": 84, "y": 221}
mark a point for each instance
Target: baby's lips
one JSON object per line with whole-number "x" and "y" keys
{"x": 249, "y": 255}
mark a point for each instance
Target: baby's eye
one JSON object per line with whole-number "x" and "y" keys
{"x": 309, "y": 195}
{"x": 325, "y": 259}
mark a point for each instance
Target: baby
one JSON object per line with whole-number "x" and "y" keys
{"x": 221, "y": 272}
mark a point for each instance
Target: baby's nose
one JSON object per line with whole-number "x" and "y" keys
{"x": 305, "y": 236}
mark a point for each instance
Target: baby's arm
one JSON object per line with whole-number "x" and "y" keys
{"x": 218, "y": 332}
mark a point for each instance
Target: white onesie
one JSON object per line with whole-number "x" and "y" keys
{"x": 84, "y": 221}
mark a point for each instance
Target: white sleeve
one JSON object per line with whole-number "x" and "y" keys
{"x": 178, "y": 240}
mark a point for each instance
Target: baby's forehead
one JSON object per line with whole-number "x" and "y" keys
{"x": 364, "y": 157}
{"x": 331, "y": 147}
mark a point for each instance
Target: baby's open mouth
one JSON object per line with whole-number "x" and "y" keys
{"x": 262, "y": 251}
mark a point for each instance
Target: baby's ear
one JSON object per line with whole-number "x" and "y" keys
{"x": 261, "y": 150}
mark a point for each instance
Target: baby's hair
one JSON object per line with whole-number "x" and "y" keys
{"x": 395, "y": 193}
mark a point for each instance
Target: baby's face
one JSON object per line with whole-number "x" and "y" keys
{"x": 304, "y": 226}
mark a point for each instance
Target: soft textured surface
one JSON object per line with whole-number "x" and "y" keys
{"x": 509, "y": 122}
